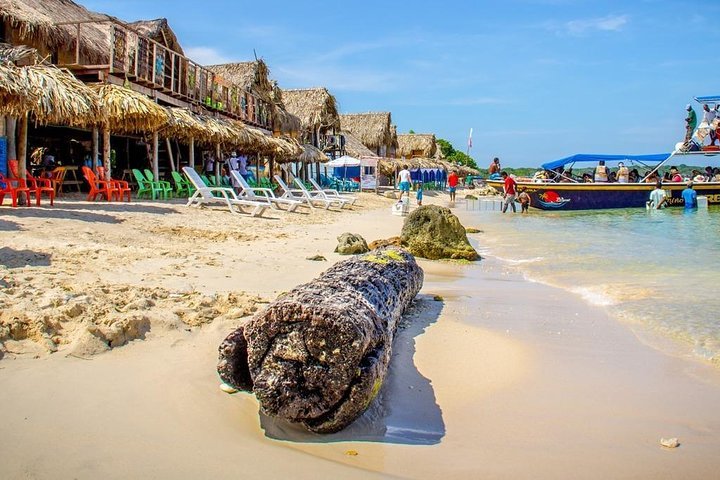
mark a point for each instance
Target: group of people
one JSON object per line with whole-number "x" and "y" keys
{"x": 404, "y": 180}
{"x": 709, "y": 116}
{"x": 658, "y": 197}
{"x": 234, "y": 162}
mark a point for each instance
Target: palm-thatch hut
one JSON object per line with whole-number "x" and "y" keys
{"x": 414, "y": 145}
{"x": 253, "y": 77}
{"x": 373, "y": 129}
{"x": 318, "y": 113}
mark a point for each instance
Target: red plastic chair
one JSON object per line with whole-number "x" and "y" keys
{"x": 122, "y": 186}
{"x": 99, "y": 187}
{"x": 36, "y": 186}
{"x": 13, "y": 187}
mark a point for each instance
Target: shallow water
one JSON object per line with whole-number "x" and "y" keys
{"x": 658, "y": 271}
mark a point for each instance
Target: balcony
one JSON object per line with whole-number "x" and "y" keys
{"x": 140, "y": 60}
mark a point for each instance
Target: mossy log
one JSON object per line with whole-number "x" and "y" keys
{"x": 318, "y": 355}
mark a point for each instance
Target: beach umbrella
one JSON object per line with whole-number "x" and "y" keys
{"x": 128, "y": 111}
{"x": 344, "y": 161}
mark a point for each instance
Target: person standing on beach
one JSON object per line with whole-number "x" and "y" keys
{"x": 404, "y": 182}
{"x": 452, "y": 184}
{"x": 242, "y": 166}
{"x": 690, "y": 122}
{"x": 509, "y": 189}
{"x": 658, "y": 198}
{"x": 690, "y": 197}
{"x": 232, "y": 163}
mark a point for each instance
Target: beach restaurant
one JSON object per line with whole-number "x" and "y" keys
{"x": 148, "y": 104}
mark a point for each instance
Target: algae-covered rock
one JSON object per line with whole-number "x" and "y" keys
{"x": 433, "y": 232}
{"x": 470, "y": 197}
{"x": 351, "y": 244}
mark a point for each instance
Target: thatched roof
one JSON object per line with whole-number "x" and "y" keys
{"x": 373, "y": 129}
{"x": 312, "y": 154}
{"x": 414, "y": 142}
{"x": 36, "y": 22}
{"x": 129, "y": 111}
{"x": 314, "y": 107}
{"x": 160, "y": 31}
{"x": 50, "y": 94}
{"x": 254, "y": 77}
{"x": 355, "y": 147}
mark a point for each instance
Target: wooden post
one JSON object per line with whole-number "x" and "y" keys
{"x": 77, "y": 45}
{"x": 22, "y": 130}
{"x": 191, "y": 152}
{"x": 2, "y": 126}
{"x": 272, "y": 169}
{"x": 11, "y": 131}
{"x": 106, "y": 153}
{"x": 95, "y": 147}
{"x": 217, "y": 163}
{"x": 154, "y": 59}
{"x": 112, "y": 47}
{"x": 170, "y": 154}
{"x": 156, "y": 162}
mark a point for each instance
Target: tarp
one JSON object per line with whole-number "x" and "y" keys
{"x": 590, "y": 157}
{"x": 346, "y": 172}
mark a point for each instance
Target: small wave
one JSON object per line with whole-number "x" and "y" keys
{"x": 594, "y": 296}
{"x": 520, "y": 261}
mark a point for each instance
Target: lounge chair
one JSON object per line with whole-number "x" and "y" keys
{"x": 264, "y": 195}
{"x": 204, "y": 195}
{"x": 332, "y": 193}
{"x": 319, "y": 197}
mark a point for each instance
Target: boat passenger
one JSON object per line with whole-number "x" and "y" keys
{"x": 652, "y": 177}
{"x": 658, "y": 198}
{"x": 612, "y": 177}
{"x": 494, "y": 167}
{"x": 601, "y": 172}
{"x": 690, "y": 122}
{"x": 708, "y": 117}
{"x": 690, "y": 196}
{"x": 675, "y": 174}
{"x": 587, "y": 178}
{"x": 567, "y": 176}
{"x": 634, "y": 176}
{"x": 667, "y": 177}
{"x": 709, "y": 171}
{"x": 623, "y": 174}
{"x": 697, "y": 176}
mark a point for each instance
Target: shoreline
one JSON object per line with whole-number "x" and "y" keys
{"x": 480, "y": 385}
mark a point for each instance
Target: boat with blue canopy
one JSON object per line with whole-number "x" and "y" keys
{"x": 555, "y": 190}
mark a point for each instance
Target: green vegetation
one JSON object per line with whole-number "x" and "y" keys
{"x": 455, "y": 156}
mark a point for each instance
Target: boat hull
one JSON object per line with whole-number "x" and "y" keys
{"x": 596, "y": 196}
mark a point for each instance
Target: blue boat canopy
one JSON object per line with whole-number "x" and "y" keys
{"x": 590, "y": 157}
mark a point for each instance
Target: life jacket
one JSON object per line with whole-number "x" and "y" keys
{"x": 601, "y": 173}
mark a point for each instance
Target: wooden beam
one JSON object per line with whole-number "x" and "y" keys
{"x": 191, "y": 152}
{"x": 95, "y": 146}
{"x": 22, "y": 130}
{"x": 155, "y": 165}
{"x": 149, "y": 92}
{"x": 106, "y": 153}
{"x": 170, "y": 154}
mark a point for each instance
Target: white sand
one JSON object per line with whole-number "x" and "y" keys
{"x": 502, "y": 379}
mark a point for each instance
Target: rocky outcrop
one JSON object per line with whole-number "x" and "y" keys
{"x": 433, "y": 232}
{"x": 351, "y": 244}
{"x": 392, "y": 241}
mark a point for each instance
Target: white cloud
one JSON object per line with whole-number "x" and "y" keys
{"x": 206, "y": 55}
{"x": 609, "y": 23}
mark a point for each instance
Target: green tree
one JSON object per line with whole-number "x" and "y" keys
{"x": 411, "y": 131}
{"x": 455, "y": 156}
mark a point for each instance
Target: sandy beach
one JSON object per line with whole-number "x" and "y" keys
{"x": 492, "y": 376}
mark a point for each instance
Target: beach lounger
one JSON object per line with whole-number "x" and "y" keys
{"x": 291, "y": 194}
{"x": 263, "y": 195}
{"x": 332, "y": 193}
{"x": 320, "y": 197}
{"x": 204, "y": 195}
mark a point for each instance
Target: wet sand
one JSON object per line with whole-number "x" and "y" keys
{"x": 503, "y": 378}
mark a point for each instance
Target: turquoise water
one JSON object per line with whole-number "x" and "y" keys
{"x": 658, "y": 271}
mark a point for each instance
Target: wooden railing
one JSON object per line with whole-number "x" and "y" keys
{"x": 144, "y": 61}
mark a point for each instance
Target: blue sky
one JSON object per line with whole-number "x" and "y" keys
{"x": 535, "y": 79}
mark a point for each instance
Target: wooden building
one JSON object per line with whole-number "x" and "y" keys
{"x": 416, "y": 145}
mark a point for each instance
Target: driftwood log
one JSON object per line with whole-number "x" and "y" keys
{"x": 318, "y": 355}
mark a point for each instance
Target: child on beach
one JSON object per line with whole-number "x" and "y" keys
{"x": 524, "y": 199}
{"x": 419, "y": 194}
